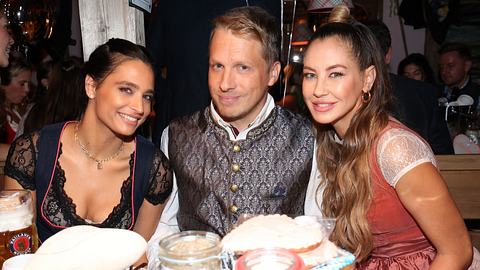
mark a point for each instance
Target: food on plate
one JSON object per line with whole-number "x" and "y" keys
{"x": 267, "y": 231}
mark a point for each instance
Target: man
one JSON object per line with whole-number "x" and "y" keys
{"x": 242, "y": 154}
{"x": 415, "y": 102}
{"x": 178, "y": 37}
{"x": 455, "y": 62}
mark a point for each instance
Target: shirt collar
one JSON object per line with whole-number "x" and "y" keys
{"x": 264, "y": 113}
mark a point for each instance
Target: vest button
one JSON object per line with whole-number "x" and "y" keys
{"x": 235, "y": 167}
{"x": 234, "y": 188}
{"x": 236, "y": 148}
{"x": 233, "y": 209}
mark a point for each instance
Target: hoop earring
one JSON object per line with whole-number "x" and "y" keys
{"x": 366, "y": 97}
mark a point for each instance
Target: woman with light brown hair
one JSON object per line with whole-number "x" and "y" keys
{"x": 379, "y": 178}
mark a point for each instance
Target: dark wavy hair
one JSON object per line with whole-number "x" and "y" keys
{"x": 420, "y": 61}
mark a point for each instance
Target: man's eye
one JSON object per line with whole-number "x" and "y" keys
{"x": 216, "y": 66}
{"x": 243, "y": 67}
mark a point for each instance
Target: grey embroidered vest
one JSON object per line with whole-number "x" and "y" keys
{"x": 218, "y": 179}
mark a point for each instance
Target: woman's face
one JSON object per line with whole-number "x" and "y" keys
{"x": 19, "y": 87}
{"x": 333, "y": 83}
{"x": 124, "y": 99}
{"x": 5, "y": 42}
{"x": 413, "y": 71}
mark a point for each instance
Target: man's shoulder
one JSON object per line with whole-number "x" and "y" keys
{"x": 189, "y": 117}
{"x": 293, "y": 117}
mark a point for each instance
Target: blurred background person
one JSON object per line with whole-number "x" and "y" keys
{"x": 15, "y": 86}
{"x": 415, "y": 102}
{"x": 64, "y": 99}
{"x": 5, "y": 42}
{"x": 455, "y": 61}
{"x": 415, "y": 66}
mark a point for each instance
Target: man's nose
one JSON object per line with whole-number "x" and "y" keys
{"x": 227, "y": 80}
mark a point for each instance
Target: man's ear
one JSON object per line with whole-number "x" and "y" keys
{"x": 369, "y": 76}
{"x": 468, "y": 66}
{"x": 274, "y": 72}
{"x": 388, "y": 56}
{"x": 90, "y": 87}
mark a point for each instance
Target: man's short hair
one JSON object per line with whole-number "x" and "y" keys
{"x": 252, "y": 22}
{"x": 382, "y": 33}
{"x": 462, "y": 49}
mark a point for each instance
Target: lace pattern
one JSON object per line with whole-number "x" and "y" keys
{"x": 400, "y": 150}
{"x": 21, "y": 159}
{"x": 59, "y": 207}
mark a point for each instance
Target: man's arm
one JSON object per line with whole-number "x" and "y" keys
{"x": 168, "y": 220}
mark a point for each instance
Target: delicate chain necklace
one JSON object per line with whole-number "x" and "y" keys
{"x": 90, "y": 156}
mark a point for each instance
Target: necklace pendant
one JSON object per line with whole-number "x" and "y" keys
{"x": 99, "y": 166}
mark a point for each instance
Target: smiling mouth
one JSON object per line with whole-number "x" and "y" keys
{"x": 323, "y": 107}
{"x": 129, "y": 118}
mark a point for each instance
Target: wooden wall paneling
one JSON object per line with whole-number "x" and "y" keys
{"x": 101, "y": 20}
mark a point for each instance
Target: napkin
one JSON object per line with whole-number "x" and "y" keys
{"x": 88, "y": 247}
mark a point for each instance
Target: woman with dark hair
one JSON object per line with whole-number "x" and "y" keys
{"x": 64, "y": 97}
{"x": 415, "y": 66}
{"x": 96, "y": 171}
{"x": 379, "y": 179}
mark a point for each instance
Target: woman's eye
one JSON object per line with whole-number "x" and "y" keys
{"x": 126, "y": 90}
{"x": 308, "y": 76}
{"x": 148, "y": 98}
{"x": 336, "y": 74}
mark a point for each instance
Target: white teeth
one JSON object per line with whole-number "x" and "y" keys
{"x": 129, "y": 118}
{"x": 323, "y": 105}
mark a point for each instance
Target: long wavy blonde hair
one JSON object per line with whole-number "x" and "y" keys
{"x": 347, "y": 191}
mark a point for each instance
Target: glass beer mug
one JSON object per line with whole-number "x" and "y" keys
{"x": 18, "y": 234}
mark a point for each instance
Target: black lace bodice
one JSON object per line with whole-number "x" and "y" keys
{"x": 59, "y": 208}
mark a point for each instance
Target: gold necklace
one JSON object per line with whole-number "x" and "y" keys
{"x": 90, "y": 156}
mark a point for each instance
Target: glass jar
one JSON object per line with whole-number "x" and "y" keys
{"x": 190, "y": 250}
{"x": 270, "y": 258}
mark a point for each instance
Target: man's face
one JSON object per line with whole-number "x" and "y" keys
{"x": 238, "y": 77}
{"x": 453, "y": 68}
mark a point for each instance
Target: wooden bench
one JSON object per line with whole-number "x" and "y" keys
{"x": 462, "y": 175}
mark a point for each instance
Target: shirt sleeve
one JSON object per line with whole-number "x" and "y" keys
{"x": 314, "y": 195}
{"x": 21, "y": 160}
{"x": 161, "y": 182}
{"x": 399, "y": 151}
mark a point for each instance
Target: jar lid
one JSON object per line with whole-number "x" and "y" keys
{"x": 190, "y": 245}
{"x": 270, "y": 258}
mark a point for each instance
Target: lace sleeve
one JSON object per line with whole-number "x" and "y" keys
{"x": 161, "y": 181}
{"x": 21, "y": 160}
{"x": 399, "y": 151}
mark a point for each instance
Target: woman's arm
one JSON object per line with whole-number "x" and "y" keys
{"x": 425, "y": 195}
{"x": 147, "y": 220}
